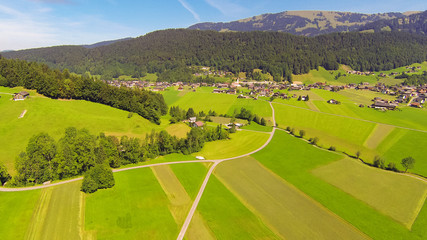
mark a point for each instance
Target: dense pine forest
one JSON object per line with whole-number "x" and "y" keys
{"x": 63, "y": 84}
{"x": 280, "y": 54}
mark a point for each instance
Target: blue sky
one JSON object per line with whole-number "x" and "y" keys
{"x": 38, "y": 23}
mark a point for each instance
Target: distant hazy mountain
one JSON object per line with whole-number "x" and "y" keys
{"x": 307, "y": 23}
{"x": 415, "y": 23}
{"x": 105, "y": 43}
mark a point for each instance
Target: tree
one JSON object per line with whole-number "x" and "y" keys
{"x": 263, "y": 122}
{"x": 98, "y": 177}
{"x": 314, "y": 141}
{"x": 301, "y": 133}
{"x": 392, "y": 166}
{"x": 379, "y": 162}
{"x": 190, "y": 113}
{"x": 408, "y": 163}
{"x": 88, "y": 185}
{"x": 4, "y": 175}
{"x": 36, "y": 163}
{"x": 358, "y": 153}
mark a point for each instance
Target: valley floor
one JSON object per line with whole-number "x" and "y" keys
{"x": 279, "y": 188}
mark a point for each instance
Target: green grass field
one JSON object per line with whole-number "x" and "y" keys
{"x": 58, "y": 213}
{"x": 291, "y": 213}
{"x": 240, "y": 143}
{"x": 190, "y": 182}
{"x": 322, "y": 75}
{"x": 16, "y": 211}
{"x": 256, "y": 127}
{"x": 343, "y": 133}
{"x": 293, "y": 160}
{"x": 53, "y": 116}
{"x": 179, "y": 130}
{"x": 227, "y": 217}
{"x": 204, "y": 100}
{"x": 136, "y": 206}
{"x": 395, "y": 195}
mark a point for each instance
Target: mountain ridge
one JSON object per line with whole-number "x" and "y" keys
{"x": 306, "y": 23}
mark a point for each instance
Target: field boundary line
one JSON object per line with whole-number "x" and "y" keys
{"x": 196, "y": 202}
{"x": 359, "y": 119}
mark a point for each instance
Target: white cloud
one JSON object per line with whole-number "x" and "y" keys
{"x": 190, "y": 9}
{"x": 19, "y": 30}
{"x": 40, "y": 27}
{"x": 227, "y": 7}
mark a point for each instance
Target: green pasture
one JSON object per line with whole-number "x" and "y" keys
{"x": 395, "y": 195}
{"x": 170, "y": 95}
{"x": 179, "y": 130}
{"x": 200, "y": 101}
{"x": 58, "y": 213}
{"x": 190, "y": 177}
{"x": 350, "y": 100}
{"x": 401, "y": 143}
{"x": 16, "y": 211}
{"x": 53, "y": 116}
{"x": 136, "y": 206}
{"x": 261, "y": 108}
{"x": 323, "y": 75}
{"x": 378, "y": 135}
{"x": 282, "y": 207}
{"x": 204, "y": 100}
{"x": 179, "y": 200}
{"x": 347, "y": 134}
{"x": 240, "y": 143}
{"x": 293, "y": 160}
{"x": 224, "y": 120}
{"x": 227, "y": 217}
{"x": 256, "y": 127}
{"x": 423, "y": 66}
{"x": 190, "y": 182}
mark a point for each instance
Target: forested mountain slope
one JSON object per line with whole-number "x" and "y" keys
{"x": 280, "y": 54}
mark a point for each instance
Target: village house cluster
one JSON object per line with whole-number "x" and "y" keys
{"x": 414, "y": 96}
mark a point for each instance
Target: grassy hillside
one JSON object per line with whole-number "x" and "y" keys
{"x": 392, "y": 134}
{"x": 330, "y": 77}
{"x": 53, "y": 116}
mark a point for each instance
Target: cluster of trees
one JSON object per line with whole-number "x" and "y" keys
{"x": 178, "y": 114}
{"x": 98, "y": 177}
{"x": 170, "y": 52}
{"x": 248, "y": 115}
{"x": 4, "y": 174}
{"x": 78, "y": 151}
{"x": 57, "y": 84}
{"x": 415, "y": 79}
